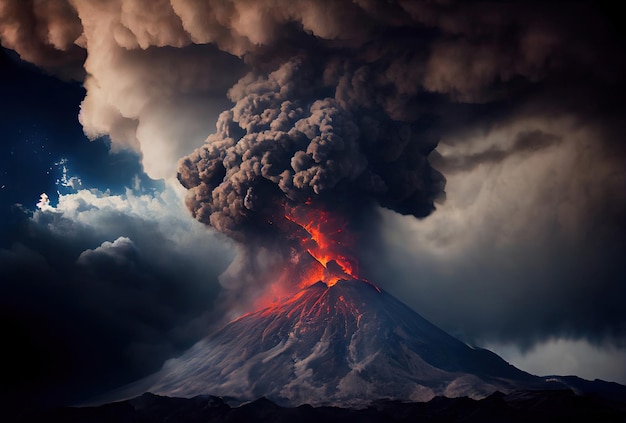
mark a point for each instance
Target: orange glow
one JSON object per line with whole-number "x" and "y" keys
{"x": 325, "y": 239}
{"x": 323, "y": 247}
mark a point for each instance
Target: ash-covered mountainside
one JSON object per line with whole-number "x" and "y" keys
{"x": 346, "y": 344}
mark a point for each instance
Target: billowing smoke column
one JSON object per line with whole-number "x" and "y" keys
{"x": 319, "y": 121}
{"x": 342, "y": 103}
{"x": 292, "y": 164}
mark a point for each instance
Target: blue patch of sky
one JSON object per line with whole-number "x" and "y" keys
{"x": 40, "y": 136}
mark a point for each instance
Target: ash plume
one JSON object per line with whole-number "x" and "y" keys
{"x": 285, "y": 141}
{"x": 294, "y": 139}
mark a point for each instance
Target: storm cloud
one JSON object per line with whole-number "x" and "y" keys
{"x": 99, "y": 291}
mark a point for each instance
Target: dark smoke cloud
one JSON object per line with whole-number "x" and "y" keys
{"x": 283, "y": 140}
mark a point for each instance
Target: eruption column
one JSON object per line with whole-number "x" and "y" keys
{"x": 293, "y": 169}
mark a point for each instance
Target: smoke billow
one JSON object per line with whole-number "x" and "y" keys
{"x": 285, "y": 141}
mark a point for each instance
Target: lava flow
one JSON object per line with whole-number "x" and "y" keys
{"x": 325, "y": 238}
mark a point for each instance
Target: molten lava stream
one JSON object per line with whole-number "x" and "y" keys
{"x": 325, "y": 239}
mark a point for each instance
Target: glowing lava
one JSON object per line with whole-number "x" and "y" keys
{"x": 325, "y": 238}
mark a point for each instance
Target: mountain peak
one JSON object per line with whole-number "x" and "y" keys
{"x": 345, "y": 344}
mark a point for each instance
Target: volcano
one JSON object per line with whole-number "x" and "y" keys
{"x": 345, "y": 344}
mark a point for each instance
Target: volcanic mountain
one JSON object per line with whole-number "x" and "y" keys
{"x": 346, "y": 344}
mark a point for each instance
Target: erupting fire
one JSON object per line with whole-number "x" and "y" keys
{"x": 325, "y": 239}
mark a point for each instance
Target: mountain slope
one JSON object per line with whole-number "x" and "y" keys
{"x": 346, "y": 344}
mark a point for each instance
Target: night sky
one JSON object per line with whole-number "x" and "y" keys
{"x": 477, "y": 147}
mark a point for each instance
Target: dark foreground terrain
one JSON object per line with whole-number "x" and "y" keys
{"x": 521, "y": 406}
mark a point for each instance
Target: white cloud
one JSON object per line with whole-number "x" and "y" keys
{"x": 44, "y": 203}
{"x": 119, "y": 251}
{"x": 74, "y": 182}
{"x": 568, "y": 357}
